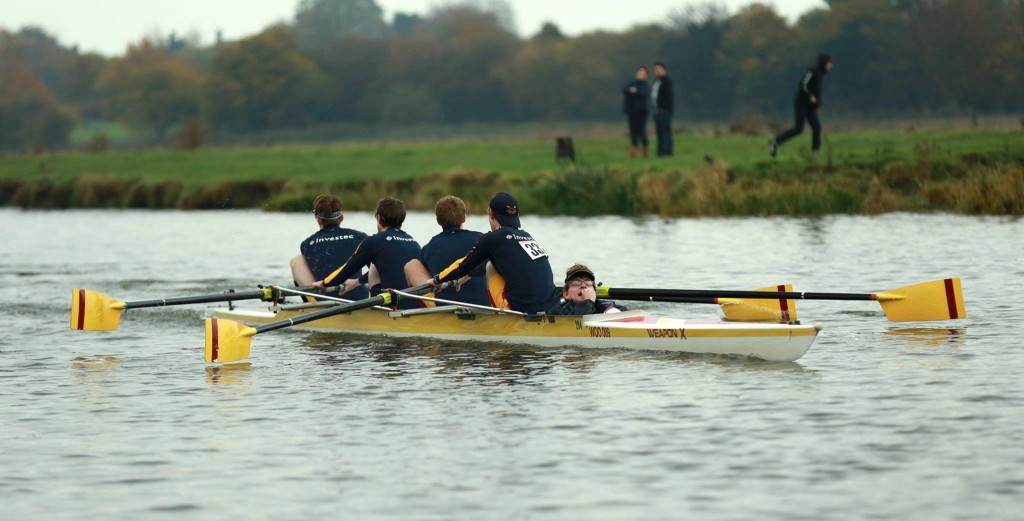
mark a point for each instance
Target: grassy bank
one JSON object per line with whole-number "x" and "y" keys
{"x": 857, "y": 172}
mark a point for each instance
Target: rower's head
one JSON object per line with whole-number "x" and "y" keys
{"x": 390, "y": 213}
{"x": 327, "y": 209}
{"x": 450, "y": 212}
{"x": 577, "y": 278}
{"x": 503, "y": 210}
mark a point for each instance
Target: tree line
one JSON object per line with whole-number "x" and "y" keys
{"x": 340, "y": 61}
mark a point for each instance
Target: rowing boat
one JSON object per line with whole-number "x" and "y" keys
{"x": 631, "y": 330}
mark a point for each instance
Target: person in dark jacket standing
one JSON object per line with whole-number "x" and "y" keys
{"x": 664, "y": 104}
{"x": 806, "y": 105}
{"x": 634, "y": 104}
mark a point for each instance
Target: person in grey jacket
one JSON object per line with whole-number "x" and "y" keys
{"x": 663, "y": 93}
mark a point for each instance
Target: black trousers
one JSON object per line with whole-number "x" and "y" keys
{"x": 663, "y": 131}
{"x": 802, "y": 112}
{"x": 638, "y": 129}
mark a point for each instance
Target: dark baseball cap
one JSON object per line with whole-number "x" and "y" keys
{"x": 506, "y": 209}
{"x": 575, "y": 271}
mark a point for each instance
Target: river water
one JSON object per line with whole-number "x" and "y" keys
{"x": 878, "y": 421}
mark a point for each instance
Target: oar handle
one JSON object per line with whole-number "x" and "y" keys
{"x": 267, "y": 293}
{"x": 658, "y": 294}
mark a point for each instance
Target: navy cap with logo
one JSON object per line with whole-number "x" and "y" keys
{"x": 506, "y": 209}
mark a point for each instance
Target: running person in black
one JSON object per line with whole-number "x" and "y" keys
{"x": 388, "y": 251}
{"x": 806, "y": 105}
{"x": 447, "y": 247}
{"x": 516, "y": 257}
{"x": 320, "y": 252}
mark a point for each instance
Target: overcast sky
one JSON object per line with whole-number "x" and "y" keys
{"x": 107, "y": 26}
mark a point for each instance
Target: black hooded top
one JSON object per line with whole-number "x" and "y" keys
{"x": 810, "y": 83}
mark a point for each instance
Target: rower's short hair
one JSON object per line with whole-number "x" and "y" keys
{"x": 450, "y": 211}
{"x": 328, "y": 208}
{"x": 391, "y": 212}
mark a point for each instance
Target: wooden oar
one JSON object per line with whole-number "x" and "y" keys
{"x": 229, "y": 341}
{"x": 934, "y": 300}
{"x": 95, "y": 311}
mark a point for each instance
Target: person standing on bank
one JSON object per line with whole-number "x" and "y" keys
{"x": 320, "y": 252}
{"x": 664, "y": 104}
{"x": 806, "y": 105}
{"x": 634, "y": 104}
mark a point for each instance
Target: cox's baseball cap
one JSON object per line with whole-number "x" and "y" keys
{"x": 506, "y": 209}
{"x": 575, "y": 271}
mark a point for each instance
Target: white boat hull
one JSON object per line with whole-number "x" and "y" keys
{"x": 631, "y": 330}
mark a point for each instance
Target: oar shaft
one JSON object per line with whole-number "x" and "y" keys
{"x": 657, "y": 294}
{"x": 380, "y": 300}
{"x": 268, "y": 293}
{"x": 317, "y": 315}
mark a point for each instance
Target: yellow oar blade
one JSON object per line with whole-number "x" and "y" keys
{"x": 760, "y": 310}
{"x": 94, "y": 311}
{"x": 227, "y": 340}
{"x": 935, "y": 300}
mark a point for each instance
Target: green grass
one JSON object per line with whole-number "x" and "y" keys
{"x": 515, "y": 158}
{"x": 117, "y": 134}
{"x": 978, "y": 172}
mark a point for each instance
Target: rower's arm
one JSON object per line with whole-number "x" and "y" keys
{"x": 361, "y": 257}
{"x": 465, "y": 266}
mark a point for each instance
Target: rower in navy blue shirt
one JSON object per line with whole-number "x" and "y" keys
{"x": 321, "y": 251}
{"x": 515, "y": 255}
{"x": 389, "y": 250}
{"x": 452, "y": 244}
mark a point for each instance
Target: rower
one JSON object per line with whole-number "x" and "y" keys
{"x": 520, "y": 263}
{"x": 579, "y": 296}
{"x": 388, "y": 251}
{"x": 320, "y": 251}
{"x": 447, "y": 247}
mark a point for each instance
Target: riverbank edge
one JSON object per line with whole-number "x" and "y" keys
{"x": 975, "y": 184}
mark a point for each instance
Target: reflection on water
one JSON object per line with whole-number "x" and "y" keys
{"x": 86, "y": 367}
{"x": 930, "y": 336}
{"x": 496, "y": 363}
{"x": 94, "y": 374}
{"x": 229, "y": 374}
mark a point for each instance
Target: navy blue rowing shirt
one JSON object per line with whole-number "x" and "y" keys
{"x": 523, "y": 264}
{"x": 326, "y": 247}
{"x": 389, "y": 250}
{"x": 447, "y": 247}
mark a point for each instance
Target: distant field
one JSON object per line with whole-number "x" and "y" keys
{"x": 341, "y": 163}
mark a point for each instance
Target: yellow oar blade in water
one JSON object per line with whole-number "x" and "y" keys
{"x": 227, "y": 340}
{"x": 760, "y": 310}
{"x": 934, "y": 300}
{"x": 94, "y": 311}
